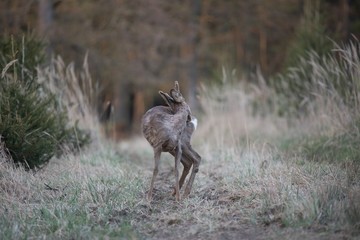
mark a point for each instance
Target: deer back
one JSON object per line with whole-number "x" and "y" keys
{"x": 162, "y": 128}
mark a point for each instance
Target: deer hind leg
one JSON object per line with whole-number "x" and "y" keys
{"x": 178, "y": 154}
{"x": 195, "y": 157}
{"x": 157, "y": 154}
{"x": 187, "y": 165}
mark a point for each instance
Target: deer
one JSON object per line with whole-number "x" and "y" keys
{"x": 169, "y": 129}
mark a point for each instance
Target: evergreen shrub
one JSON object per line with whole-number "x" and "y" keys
{"x": 32, "y": 126}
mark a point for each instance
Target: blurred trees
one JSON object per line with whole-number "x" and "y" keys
{"x": 137, "y": 46}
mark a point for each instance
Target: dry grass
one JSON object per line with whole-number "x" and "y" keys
{"x": 238, "y": 193}
{"x": 75, "y": 91}
{"x": 248, "y": 187}
{"x": 75, "y": 197}
{"x": 286, "y": 188}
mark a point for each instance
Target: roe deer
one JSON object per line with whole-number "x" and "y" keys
{"x": 169, "y": 129}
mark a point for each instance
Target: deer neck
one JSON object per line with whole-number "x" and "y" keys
{"x": 182, "y": 109}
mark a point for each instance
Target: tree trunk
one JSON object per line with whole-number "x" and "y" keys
{"x": 44, "y": 22}
{"x": 343, "y": 24}
{"x": 262, "y": 39}
{"x": 193, "y": 75}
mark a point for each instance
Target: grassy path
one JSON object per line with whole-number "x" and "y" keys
{"x": 238, "y": 194}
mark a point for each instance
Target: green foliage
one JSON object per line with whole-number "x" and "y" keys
{"x": 333, "y": 76}
{"x": 311, "y": 35}
{"x": 33, "y": 128}
{"x": 28, "y": 51}
{"x": 342, "y": 147}
{"x": 324, "y": 84}
{"x": 310, "y": 43}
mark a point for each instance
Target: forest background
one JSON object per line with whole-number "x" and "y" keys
{"x": 136, "y": 47}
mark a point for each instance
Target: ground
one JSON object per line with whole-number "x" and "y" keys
{"x": 214, "y": 210}
{"x": 164, "y": 218}
{"x": 242, "y": 193}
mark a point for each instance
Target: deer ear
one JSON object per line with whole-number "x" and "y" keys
{"x": 177, "y": 88}
{"x": 169, "y": 100}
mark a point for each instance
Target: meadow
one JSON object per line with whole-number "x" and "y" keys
{"x": 265, "y": 173}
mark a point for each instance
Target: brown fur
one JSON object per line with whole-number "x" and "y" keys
{"x": 169, "y": 129}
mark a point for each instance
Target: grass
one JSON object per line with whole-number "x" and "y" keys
{"x": 336, "y": 147}
{"x": 76, "y": 197}
{"x": 261, "y": 177}
{"x": 101, "y": 194}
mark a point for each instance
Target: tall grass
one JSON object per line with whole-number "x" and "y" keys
{"x": 329, "y": 98}
{"x": 256, "y": 179}
{"x": 32, "y": 125}
{"x": 319, "y": 82}
{"x": 299, "y": 169}
{"x": 75, "y": 90}
{"x": 80, "y": 195}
